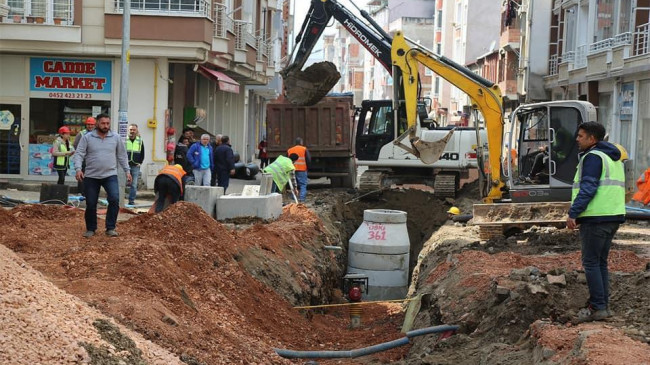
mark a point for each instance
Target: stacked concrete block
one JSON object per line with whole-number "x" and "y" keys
{"x": 204, "y": 196}
{"x": 235, "y": 206}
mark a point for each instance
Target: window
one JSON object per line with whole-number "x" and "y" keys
{"x": 570, "y": 17}
{"x": 604, "y": 20}
{"x": 604, "y": 110}
{"x": 623, "y": 16}
{"x": 188, "y": 7}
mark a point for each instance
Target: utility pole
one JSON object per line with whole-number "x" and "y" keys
{"x": 123, "y": 120}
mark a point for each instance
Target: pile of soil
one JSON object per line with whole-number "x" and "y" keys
{"x": 208, "y": 294}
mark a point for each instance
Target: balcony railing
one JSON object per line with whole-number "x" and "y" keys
{"x": 261, "y": 48}
{"x": 552, "y": 65}
{"x": 581, "y": 57}
{"x": 240, "y": 28}
{"x": 220, "y": 20}
{"x": 270, "y": 54}
{"x": 198, "y": 8}
{"x": 568, "y": 57}
{"x": 623, "y": 39}
{"x": 604, "y": 45}
{"x": 41, "y": 11}
{"x": 641, "y": 40}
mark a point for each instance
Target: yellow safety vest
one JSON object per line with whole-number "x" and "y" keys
{"x": 62, "y": 162}
{"x": 610, "y": 195}
{"x": 133, "y": 147}
{"x": 280, "y": 170}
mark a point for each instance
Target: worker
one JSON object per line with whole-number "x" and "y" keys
{"x": 90, "y": 125}
{"x": 282, "y": 170}
{"x": 302, "y": 165}
{"x": 135, "y": 151}
{"x": 598, "y": 207}
{"x": 168, "y": 186}
{"x": 643, "y": 185}
{"x": 453, "y": 211}
{"x": 61, "y": 150}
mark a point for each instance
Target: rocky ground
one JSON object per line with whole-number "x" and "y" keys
{"x": 179, "y": 287}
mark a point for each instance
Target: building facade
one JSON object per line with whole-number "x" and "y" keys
{"x": 191, "y": 63}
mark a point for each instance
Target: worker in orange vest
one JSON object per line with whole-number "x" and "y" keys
{"x": 643, "y": 184}
{"x": 301, "y": 165}
{"x": 168, "y": 186}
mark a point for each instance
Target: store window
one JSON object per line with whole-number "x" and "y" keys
{"x": 63, "y": 92}
{"x": 10, "y": 118}
{"x": 642, "y": 156}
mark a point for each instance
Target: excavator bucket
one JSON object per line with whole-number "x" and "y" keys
{"x": 429, "y": 152}
{"x": 309, "y": 86}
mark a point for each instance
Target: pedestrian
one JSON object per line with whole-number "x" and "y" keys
{"x": 224, "y": 163}
{"x": 200, "y": 156}
{"x": 598, "y": 208}
{"x": 302, "y": 165}
{"x": 180, "y": 154}
{"x": 135, "y": 151}
{"x": 168, "y": 186}
{"x": 189, "y": 133}
{"x": 282, "y": 170}
{"x": 215, "y": 143}
{"x": 263, "y": 155}
{"x": 62, "y": 150}
{"x": 102, "y": 150}
{"x": 90, "y": 125}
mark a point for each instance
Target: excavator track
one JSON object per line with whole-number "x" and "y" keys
{"x": 445, "y": 185}
{"x": 372, "y": 180}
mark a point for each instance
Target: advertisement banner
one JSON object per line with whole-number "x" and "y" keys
{"x": 64, "y": 78}
{"x": 626, "y": 101}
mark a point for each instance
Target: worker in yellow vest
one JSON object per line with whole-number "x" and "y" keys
{"x": 598, "y": 207}
{"x": 62, "y": 149}
{"x": 168, "y": 186}
{"x": 135, "y": 153}
{"x": 301, "y": 165}
{"x": 282, "y": 171}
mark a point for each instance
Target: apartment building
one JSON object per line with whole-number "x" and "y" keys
{"x": 600, "y": 52}
{"x": 191, "y": 63}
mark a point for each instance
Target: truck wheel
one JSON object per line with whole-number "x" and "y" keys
{"x": 350, "y": 181}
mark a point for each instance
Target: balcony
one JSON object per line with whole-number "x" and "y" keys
{"x": 641, "y": 42}
{"x": 192, "y": 8}
{"x": 48, "y": 12}
{"x": 552, "y": 65}
{"x": 222, "y": 24}
{"x": 580, "y": 57}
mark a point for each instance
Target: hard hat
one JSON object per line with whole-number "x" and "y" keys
{"x": 91, "y": 120}
{"x": 179, "y": 167}
{"x": 454, "y": 211}
{"x": 624, "y": 155}
{"x": 64, "y": 130}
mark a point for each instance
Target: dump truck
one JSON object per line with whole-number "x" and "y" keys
{"x": 326, "y": 129}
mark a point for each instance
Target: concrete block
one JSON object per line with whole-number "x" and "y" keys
{"x": 251, "y": 190}
{"x": 204, "y": 196}
{"x": 235, "y": 206}
{"x": 266, "y": 184}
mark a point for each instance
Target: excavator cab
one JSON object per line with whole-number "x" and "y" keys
{"x": 546, "y": 155}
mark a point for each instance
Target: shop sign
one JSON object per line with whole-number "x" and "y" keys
{"x": 626, "y": 101}
{"x": 64, "y": 78}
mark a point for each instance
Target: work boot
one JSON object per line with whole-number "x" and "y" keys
{"x": 111, "y": 233}
{"x": 590, "y": 314}
{"x": 89, "y": 234}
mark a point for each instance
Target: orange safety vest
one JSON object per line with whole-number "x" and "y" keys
{"x": 643, "y": 184}
{"x": 301, "y": 163}
{"x": 177, "y": 174}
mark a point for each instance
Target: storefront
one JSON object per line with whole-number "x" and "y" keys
{"x": 63, "y": 92}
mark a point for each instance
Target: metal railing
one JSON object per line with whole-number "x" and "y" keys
{"x": 581, "y": 57}
{"x": 552, "y": 65}
{"x": 641, "y": 40}
{"x": 261, "y": 48}
{"x": 240, "y": 28}
{"x": 568, "y": 57}
{"x": 59, "y": 12}
{"x": 199, "y": 8}
{"x": 623, "y": 39}
{"x": 604, "y": 45}
{"x": 219, "y": 18}
{"x": 270, "y": 54}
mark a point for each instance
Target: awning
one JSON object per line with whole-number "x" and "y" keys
{"x": 225, "y": 83}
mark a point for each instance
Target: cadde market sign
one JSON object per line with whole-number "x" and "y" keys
{"x": 62, "y": 78}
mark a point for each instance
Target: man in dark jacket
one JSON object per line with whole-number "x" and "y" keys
{"x": 180, "y": 154}
{"x": 215, "y": 143}
{"x": 598, "y": 206}
{"x": 224, "y": 163}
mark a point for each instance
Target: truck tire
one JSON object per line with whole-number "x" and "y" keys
{"x": 350, "y": 181}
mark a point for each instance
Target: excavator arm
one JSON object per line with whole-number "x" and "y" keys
{"x": 485, "y": 95}
{"x": 307, "y": 87}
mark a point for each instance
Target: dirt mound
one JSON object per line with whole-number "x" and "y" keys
{"x": 41, "y": 324}
{"x": 495, "y": 297}
{"x": 210, "y": 294}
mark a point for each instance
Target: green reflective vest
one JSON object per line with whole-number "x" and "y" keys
{"x": 280, "y": 170}
{"x": 61, "y": 162}
{"x": 610, "y": 196}
{"x": 133, "y": 147}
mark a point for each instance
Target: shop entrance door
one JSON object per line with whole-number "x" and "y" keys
{"x": 10, "y": 119}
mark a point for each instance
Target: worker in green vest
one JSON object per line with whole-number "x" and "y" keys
{"x": 135, "y": 153}
{"x": 598, "y": 208}
{"x": 62, "y": 149}
{"x": 282, "y": 170}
